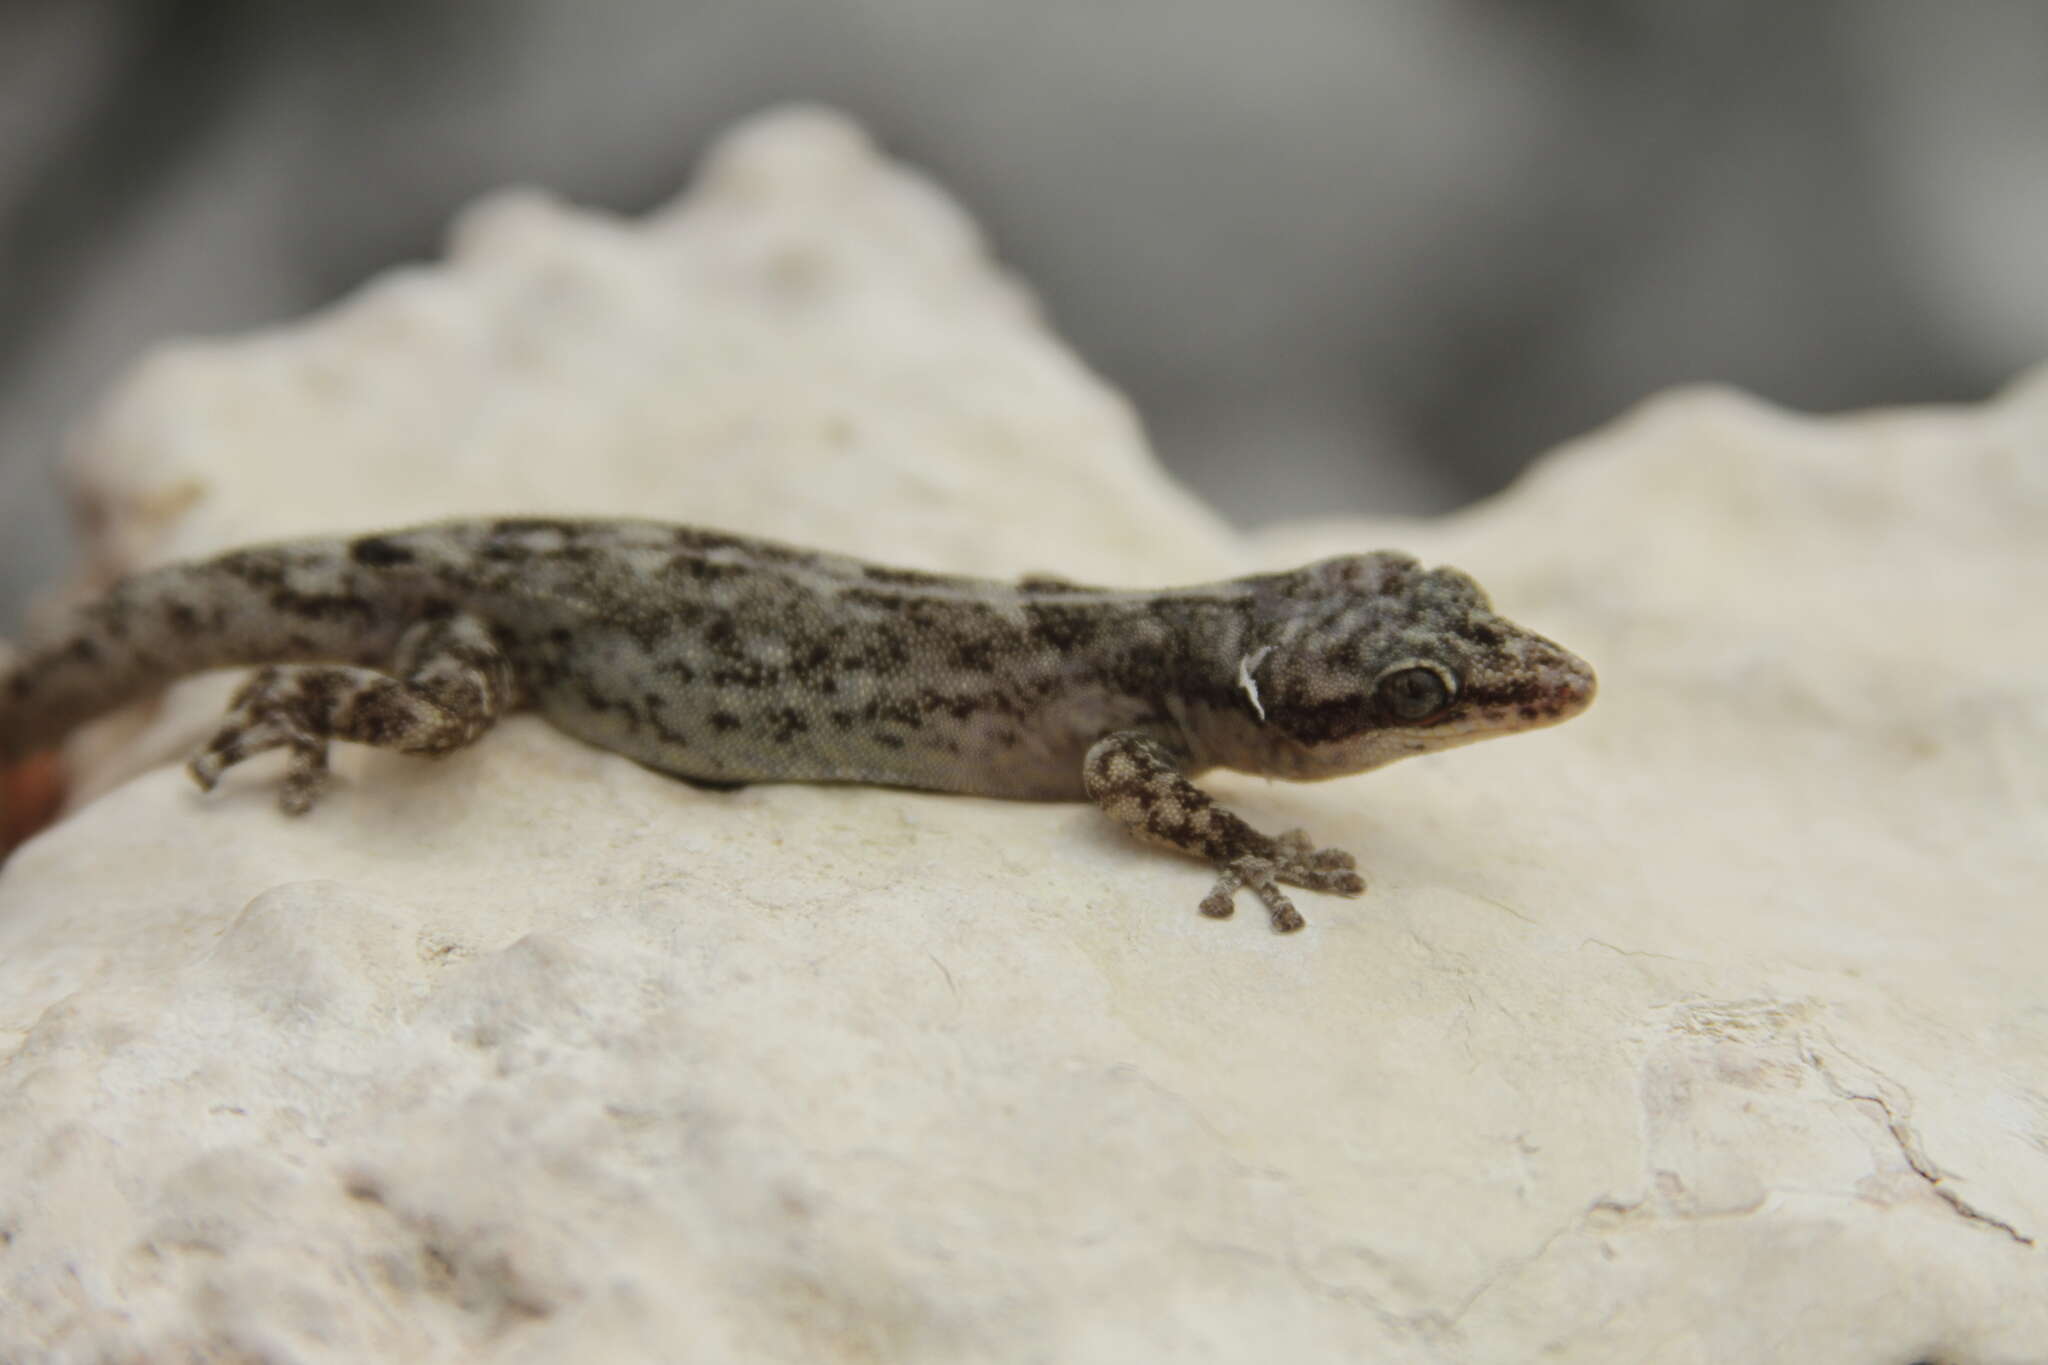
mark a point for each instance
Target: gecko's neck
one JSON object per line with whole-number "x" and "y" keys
{"x": 1211, "y": 695}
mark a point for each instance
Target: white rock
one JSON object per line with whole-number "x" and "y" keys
{"x": 1706, "y": 1027}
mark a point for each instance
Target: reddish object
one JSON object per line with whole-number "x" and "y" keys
{"x": 30, "y": 793}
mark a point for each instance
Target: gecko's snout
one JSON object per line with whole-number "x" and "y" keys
{"x": 1566, "y": 684}
{"x": 1530, "y": 682}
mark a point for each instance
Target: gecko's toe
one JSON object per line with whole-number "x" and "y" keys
{"x": 305, "y": 778}
{"x": 205, "y": 769}
{"x": 1317, "y": 869}
{"x": 1333, "y": 881}
{"x": 1260, "y": 876}
{"x": 243, "y": 736}
{"x": 1221, "y": 902}
{"x": 1286, "y": 919}
{"x": 230, "y": 744}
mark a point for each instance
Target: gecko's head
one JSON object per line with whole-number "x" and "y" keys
{"x": 1361, "y": 660}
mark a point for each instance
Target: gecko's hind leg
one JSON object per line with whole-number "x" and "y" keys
{"x": 1137, "y": 781}
{"x": 449, "y": 682}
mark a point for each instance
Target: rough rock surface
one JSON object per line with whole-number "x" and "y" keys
{"x": 1705, "y": 1028}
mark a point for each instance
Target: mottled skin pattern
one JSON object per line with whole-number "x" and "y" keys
{"x": 726, "y": 660}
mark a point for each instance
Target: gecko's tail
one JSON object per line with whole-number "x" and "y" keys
{"x": 301, "y": 601}
{"x": 87, "y": 662}
{"x": 56, "y": 681}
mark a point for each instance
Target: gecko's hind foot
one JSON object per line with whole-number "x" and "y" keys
{"x": 269, "y": 712}
{"x": 450, "y": 685}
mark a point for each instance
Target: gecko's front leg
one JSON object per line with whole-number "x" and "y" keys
{"x": 1137, "y": 780}
{"x": 449, "y": 682}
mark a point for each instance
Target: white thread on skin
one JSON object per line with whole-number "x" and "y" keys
{"x": 1245, "y": 667}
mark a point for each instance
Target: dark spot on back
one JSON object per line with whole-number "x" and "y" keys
{"x": 809, "y": 665}
{"x": 871, "y": 597}
{"x": 1063, "y": 628}
{"x": 321, "y": 606}
{"x": 959, "y": 706}
{"x": 879, "y": 573}
{"x": 704, "y": 570}
{"x": 378, "y": 552}
{"x": 1047, "y": 583}
{"x": 893, "y": 711}
{"x": 253, "y": 567}
{"x": 723, "y": 635}
{"x": 519, "y": 526}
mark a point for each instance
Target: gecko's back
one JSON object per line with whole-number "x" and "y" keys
{"x": 727, "y": 659}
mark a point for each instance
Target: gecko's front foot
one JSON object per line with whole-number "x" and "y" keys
{"x": 1294, "y": 859}
{"x": 1133, "y": 778}
{"x": 1317, "y": 869}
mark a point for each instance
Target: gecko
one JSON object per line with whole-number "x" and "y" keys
{"x": 726, "y": 660}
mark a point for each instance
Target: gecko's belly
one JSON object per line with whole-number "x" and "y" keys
{"x": 792, "y": 742}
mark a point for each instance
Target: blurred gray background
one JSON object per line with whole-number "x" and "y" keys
{"x": 1345, "y": 254}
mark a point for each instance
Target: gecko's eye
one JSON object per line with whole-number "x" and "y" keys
{"x": 1412, "y": 692}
